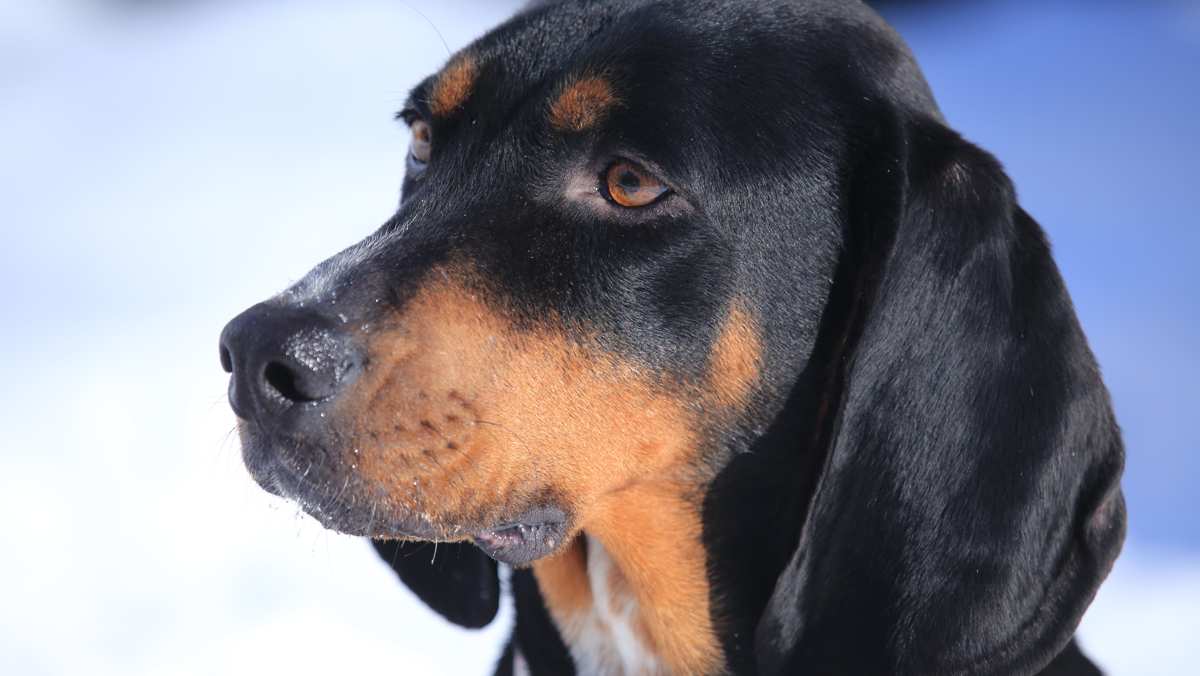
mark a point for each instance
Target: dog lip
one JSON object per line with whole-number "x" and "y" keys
{"x": 533, "y": 535}
{"x": 529, "y": 536}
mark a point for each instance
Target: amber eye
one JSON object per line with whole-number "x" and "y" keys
{"x": 422, "y": 141}
{"x": 631, "y": 186}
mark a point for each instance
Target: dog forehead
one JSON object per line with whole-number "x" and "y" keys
{"x": 552, "y": 46}
{"x": 594, "y": 53}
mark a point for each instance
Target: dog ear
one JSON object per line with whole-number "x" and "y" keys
{"x": 454, "y": 578}
{"x": 968, "y": 506}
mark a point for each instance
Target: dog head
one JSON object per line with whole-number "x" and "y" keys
{"x": 583, "y": 286}
{"x": 638, "y": 238}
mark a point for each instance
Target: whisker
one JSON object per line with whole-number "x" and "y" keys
{"x": 431, "y": 25}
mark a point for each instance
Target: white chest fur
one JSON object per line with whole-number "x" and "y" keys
{"x": 607, "y": 639}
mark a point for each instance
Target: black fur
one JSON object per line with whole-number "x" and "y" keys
{"x": 454, "y": 578}
{"x": 927, "y": 479}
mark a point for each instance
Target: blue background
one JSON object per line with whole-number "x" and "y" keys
{"x": 165, "y": 164}
{"x": 1094, "y": 109}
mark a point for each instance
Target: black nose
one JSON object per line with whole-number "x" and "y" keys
{"x": 282, "y": 356}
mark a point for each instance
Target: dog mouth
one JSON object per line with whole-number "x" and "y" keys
{"x": 341, "y": 502}
{"x": 535, "y": 534}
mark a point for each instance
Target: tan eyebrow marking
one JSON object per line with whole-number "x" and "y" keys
{"x": 454, "y": 84}
{"x": 583, "y": 104}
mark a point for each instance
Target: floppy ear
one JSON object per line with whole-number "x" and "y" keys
{"x": 457, "y": 580}
{"x": 969, "y": 505}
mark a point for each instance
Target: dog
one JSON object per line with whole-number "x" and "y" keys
{"x": 699, "y": 316}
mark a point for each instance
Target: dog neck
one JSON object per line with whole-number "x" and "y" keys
{"x": 672, "y": 577}
{"x": 630, "y": 595}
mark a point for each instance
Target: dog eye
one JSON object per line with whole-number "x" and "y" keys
{"x": 631, "y": 186}
{"x": 421, "y": 145}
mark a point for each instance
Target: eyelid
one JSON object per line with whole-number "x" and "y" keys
{"x": 415, "y": 108}
{"x": 408, "y": 115}
{"x": 647, "y": 165}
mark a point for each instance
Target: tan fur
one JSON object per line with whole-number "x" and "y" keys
{"x": 453, "y": 85}
{"x": 583, "y": 104}
{"x": 563, "y": 580}
{"x": 618, "y": 587}
{"x": 735, "y": 361}
{"x": 652, "y": 532}
{"x": 663, "y": 562}
{"x": 466, "y": 418}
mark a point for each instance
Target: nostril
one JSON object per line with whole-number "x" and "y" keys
{"x": 281, "y": 357}
{"x": 286, "y": 382}
{"x": 226, "y": 360}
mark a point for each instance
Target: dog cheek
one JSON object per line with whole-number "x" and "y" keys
{"x": 465, "y": 414}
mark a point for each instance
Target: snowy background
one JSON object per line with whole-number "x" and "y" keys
{"x": 163, "y": 165}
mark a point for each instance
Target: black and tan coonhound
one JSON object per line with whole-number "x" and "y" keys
{"x": 698, "y": 315}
